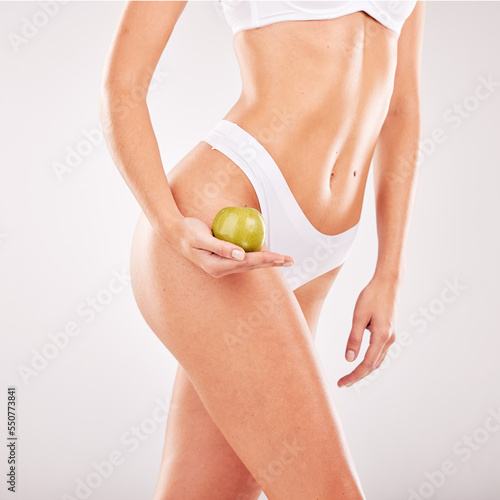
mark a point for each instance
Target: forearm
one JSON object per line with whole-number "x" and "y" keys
{"x": 395, "y": 179}
{"x": 132, "y": 143}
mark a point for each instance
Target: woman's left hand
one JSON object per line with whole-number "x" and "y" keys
{"x": 375, "y": 311}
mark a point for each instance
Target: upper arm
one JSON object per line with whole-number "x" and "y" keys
{"x": 406, "y": 92}
{"x": 142, "y": 33}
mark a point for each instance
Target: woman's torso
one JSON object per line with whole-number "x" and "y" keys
{"x": 315, "y": 93}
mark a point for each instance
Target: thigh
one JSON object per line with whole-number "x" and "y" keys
{"x": 312, "y": 295}
{"x": 197, "y": 460}
{"x": 245, "y": 345}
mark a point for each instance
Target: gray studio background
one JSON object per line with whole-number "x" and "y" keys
{"x": 426, "y": 425}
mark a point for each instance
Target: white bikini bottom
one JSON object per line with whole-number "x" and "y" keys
{"x": 289, "y": 232}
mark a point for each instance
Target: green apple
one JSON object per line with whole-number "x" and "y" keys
{"x": 243, "y": 226}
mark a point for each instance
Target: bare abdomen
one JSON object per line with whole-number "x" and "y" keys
{"x": 315, "y": 94}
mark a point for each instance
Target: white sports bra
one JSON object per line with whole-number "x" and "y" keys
{"x": 249, "y": 14}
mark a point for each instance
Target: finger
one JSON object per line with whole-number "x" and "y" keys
{"x": 253, "y": 260}
{"x": 383, "y": 354}
{"x": 359, "y": 324}
{"x": 256, "y": 259}
{"x": 286, "y": 258}
{"x": 234, "y": 252}
{"x": 221, "y": 248}
{"x": 381, "y": 358}
{"x": 367, "y": 365}
{"x": 218, "y": 266}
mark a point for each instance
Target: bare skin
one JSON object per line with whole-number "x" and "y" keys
{"x": 191, "y": 431}
{"x": 252, "y": 409}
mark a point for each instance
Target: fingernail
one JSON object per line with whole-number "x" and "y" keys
{"x": 278, "y": 261}
{"x": 350, "y": 355}
{"x": 288, "y": 264}
{"x": 238, "y": 254}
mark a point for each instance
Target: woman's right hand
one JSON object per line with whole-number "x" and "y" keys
{"x": 195, "y": 241}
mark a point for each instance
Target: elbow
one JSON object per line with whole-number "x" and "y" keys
{"x": 103, "y": 97}
{"x": 404, "y": 117}
{"x": 406, "y": 107}
{"x": 410, "y": 113}
{"x": 101, "y": 102}
{"x": 103, "y": 110}
{"x": 117, "y": 99}
{"x": 106, "y": 94}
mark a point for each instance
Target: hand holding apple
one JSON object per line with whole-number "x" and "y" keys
{"x": 195, "y": 240}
